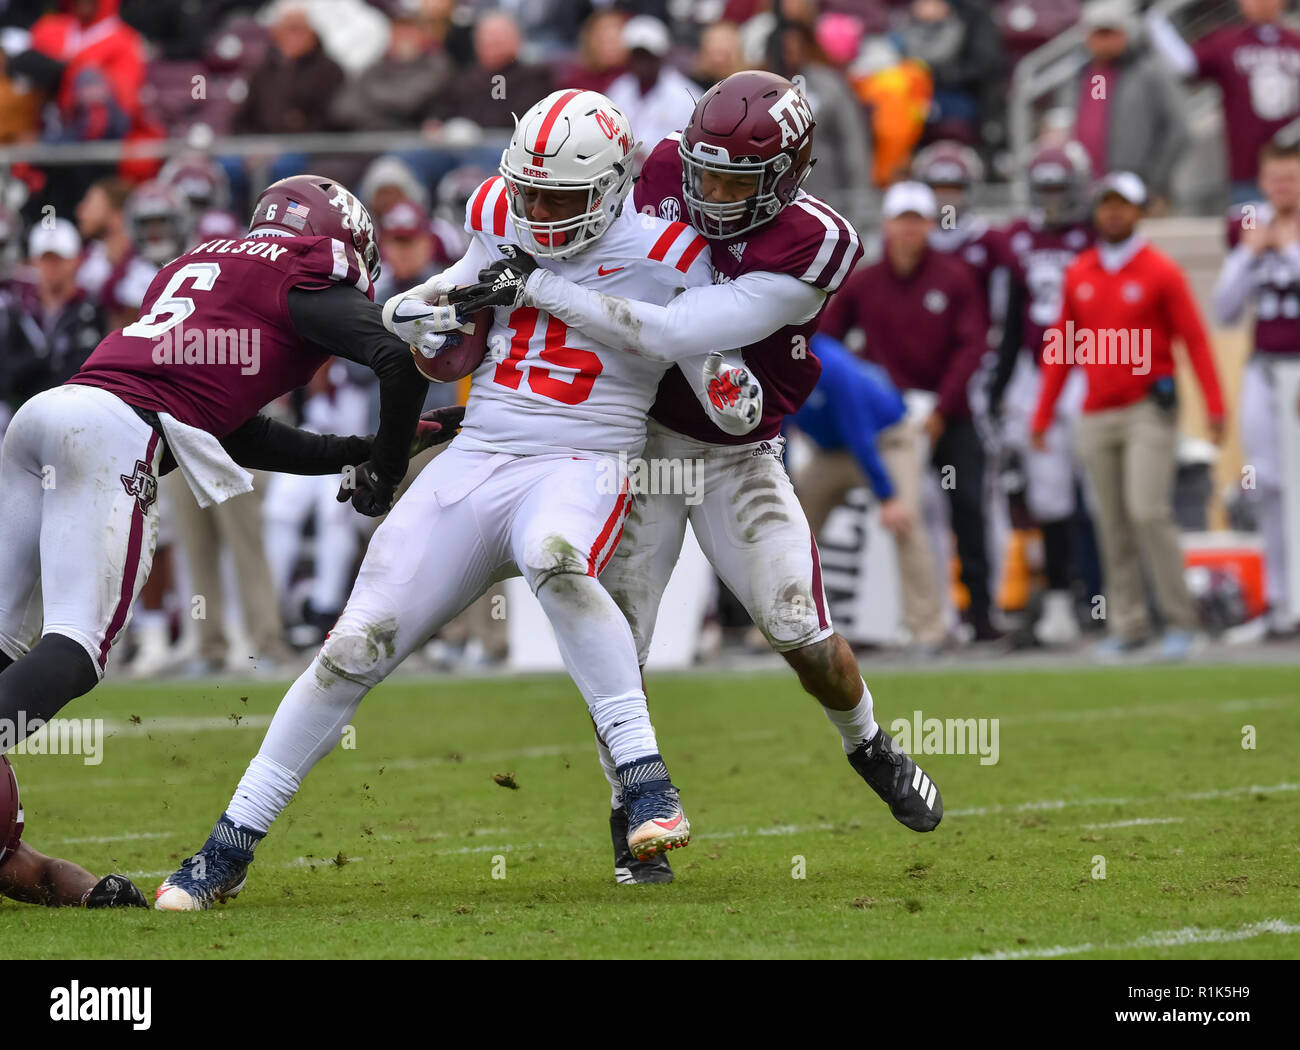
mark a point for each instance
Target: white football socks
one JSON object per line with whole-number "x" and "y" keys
{"x": 264, "y": 790}
{"x": 856, "y": 726}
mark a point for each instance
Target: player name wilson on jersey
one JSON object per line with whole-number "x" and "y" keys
{"x": 547, "y": 388}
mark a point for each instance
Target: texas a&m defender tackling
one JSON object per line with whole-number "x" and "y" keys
{"x": 225, "y": 329}
{"x": 531, "y": 485}
{"x": 735, "y": 171}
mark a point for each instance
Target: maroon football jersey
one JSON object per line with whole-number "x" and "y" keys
{"x": 1276, "y": 282}
{"x": 1257, "y": 67}
{"x": 808, "y": 240}
{"x": 1037, "y": 258}
{"x": 975, "y": 243}
{"x": 214, "y": 342}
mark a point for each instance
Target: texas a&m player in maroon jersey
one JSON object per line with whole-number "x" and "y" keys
{"x": 1038, "y": 248}
{"x": 778, "y": 252}
{"x": 225, "y": 329}
{"x": 954, "y": 171}
{"x": 31, "y": 877}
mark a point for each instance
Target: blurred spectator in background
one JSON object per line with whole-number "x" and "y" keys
{"x": 388, "y": 180}
{"x": 925, "y": 321}
{"x": 497, "y": 84}
{"x": 11, "y": 247}
{"x": 177, "y": 29}
{"x": 398, "y": 89}
{"x": 843, "y": 156}
{"x": 98, "y": 94}
{"x": 897, "y": 93}
{"x": 720, "y": 54}
{"x": 1264, "y": 267}
{"x": 293, "y": 89}
{"x": 856, "y": 418}
{"x": 411, "y": 254}
{"x": 960, "y": 44}
{"x": 601, "y": 54}
{"x": 88, "y": 37}
{"x": 1257, "y": 67}
{"x": 112, "y": 273}
{"x": 1128, "y": 432}
{"x": 21, "y": 97}
{"x": 1129, "y": 113}
{"x": 454, "y": 192}
{"x": 656, "y": 99}
{"x": 51, "y": 326}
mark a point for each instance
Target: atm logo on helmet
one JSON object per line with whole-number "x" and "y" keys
{"x": 793, "y": 115}
{"x": 355, "y": 215}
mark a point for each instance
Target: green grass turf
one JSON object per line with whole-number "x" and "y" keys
{"x": 416, "y": 820}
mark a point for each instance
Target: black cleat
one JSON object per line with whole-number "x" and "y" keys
{"x": 627, "y": 869}
{"x": 912, "y": 796}
{"x": 115, "y": 891}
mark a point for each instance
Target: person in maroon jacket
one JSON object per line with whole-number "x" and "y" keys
{"x": 925, "y": 321}
{"x": 1257, "y": 67}
{"x": 228, "y": 327}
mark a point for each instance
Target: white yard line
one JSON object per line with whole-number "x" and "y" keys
{"x": 1163, "y": 939}
{"x": 1140, "y": 822}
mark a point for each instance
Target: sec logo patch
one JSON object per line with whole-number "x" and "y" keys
{"x": 1084, "y": 292}
{"x": 1131, "y": 292}
{"x": 669, "y": 209}
{"x": 935, "y": 301}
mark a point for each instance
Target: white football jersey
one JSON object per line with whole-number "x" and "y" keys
{"x": 546, "y": 388}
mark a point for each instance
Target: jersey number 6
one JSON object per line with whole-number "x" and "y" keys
{"x": 585, "y": 364}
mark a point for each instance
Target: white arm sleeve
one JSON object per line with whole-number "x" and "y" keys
{"x": 1170, "y": 45}
{"x": 462, "y": 272}
{"x": 714, "y": 317}
{"x": 1233, "y": 286}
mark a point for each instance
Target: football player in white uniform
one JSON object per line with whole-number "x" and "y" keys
{"x": 533, "y": 484}
{"x": 779, "y": 253}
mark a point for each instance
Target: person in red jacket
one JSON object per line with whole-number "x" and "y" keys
{"x": 1122, "y": 306}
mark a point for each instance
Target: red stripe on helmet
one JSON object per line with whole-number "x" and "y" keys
{"x": 539, "y": 147}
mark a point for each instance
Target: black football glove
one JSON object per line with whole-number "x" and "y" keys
{"x": 436, "y": 427}
{"x": 501, "y": 284}
{"x": 369, "y": 493}
{"x": 114, "y": 891}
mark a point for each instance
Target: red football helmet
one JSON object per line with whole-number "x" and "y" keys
{"x": 158, "y": 221}
{"x": 314, "y": 206}
{"x": 752, "y": 124}
{"x": 1058, "y": 183}
{"x": 202, "y": 181}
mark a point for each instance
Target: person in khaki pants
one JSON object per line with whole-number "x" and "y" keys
{"x": 857, "y": 420}
{"x": 1123, "y": 303}
{"x": 237, "y": 525}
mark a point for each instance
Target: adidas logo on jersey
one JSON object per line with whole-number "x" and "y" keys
{"x": 737, "y": 249}
{"x": 765, "y": 449}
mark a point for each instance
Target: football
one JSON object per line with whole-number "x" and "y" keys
{"x": 459, "y": 359}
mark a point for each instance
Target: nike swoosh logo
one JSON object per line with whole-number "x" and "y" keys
{"x": 602, "y": 272}
{"x": 671, "y": 824}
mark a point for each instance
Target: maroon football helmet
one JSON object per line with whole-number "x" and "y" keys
{"x": 158, "y": 221}
{"x": 1058, "y": 183}
{"x": 202, "y": 181}
{"x": 752, "y": 124}
{"x": 951, "y": 169}
{"x": 11, "y": 811}
{"x": 314, "y": 206}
